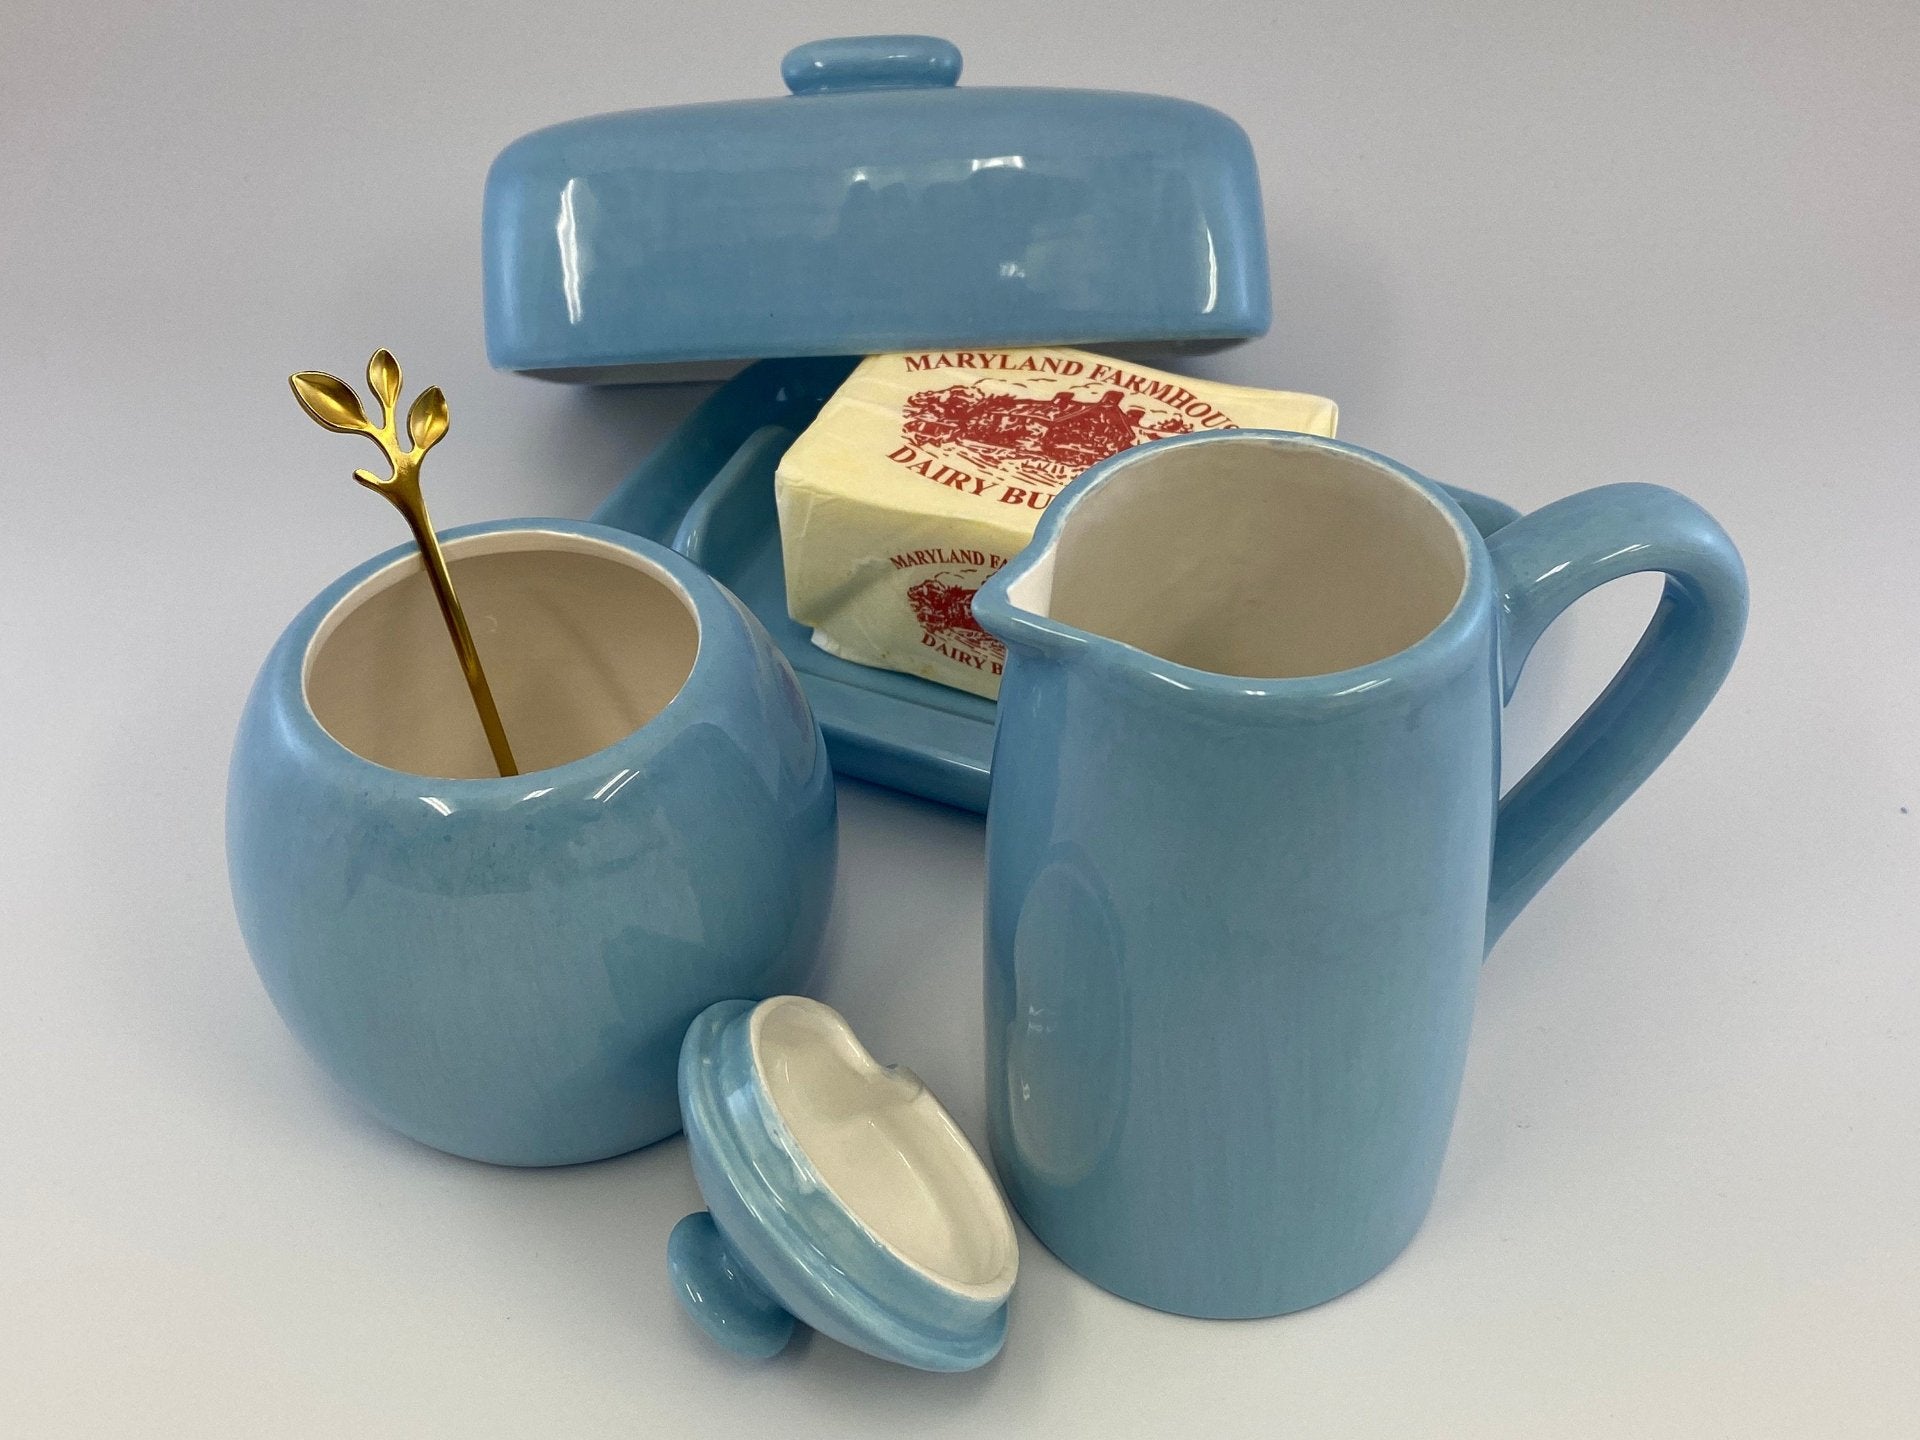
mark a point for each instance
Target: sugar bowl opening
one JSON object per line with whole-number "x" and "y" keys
{"x": 584, "y": 642}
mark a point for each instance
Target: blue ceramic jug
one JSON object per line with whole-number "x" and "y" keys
{"x": 1234, "y": 924}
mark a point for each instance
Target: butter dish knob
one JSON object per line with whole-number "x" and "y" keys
{"x": 720, "y": 1293}
{"x": 871, "y": 62}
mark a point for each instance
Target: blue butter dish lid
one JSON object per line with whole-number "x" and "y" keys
{"x": 839, "y": 1192}
{"x": 878, "y": 206}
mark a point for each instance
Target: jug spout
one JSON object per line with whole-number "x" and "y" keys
{"x": 1013, "y": 606}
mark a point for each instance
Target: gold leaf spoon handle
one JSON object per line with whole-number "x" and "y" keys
{"x": 332, "y": 403}
{"x": 450, "y": 611}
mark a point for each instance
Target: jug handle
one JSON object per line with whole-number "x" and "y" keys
{"x": 1545, "y": 561}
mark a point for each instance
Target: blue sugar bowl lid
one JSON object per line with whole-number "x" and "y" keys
{"x": 839, "y": 1192}
{"x": 878, "y": 206}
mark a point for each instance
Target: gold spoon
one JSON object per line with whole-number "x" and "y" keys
{"x": 331, "y": 401}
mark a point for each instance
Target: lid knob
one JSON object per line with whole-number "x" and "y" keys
{"x": 871, "y": 62}
{"x": 720, "y": 1293}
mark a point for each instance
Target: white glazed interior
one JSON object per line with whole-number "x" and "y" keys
{"x": 583, "y": 643}
{"x": 1245, "y": 557}
{"x": 886, "y": 1148}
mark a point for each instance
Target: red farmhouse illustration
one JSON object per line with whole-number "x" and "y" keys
{"x": 1066, "y": 432}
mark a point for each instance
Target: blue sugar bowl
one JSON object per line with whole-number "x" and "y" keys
{"x": 504, "y": 968}
{"x": 839, "y": 1192}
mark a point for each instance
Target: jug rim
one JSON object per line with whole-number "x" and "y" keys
{"x": 286, "y": 670}
{"x": 1438, "y": 648}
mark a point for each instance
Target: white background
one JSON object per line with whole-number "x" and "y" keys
{"x": 1529, "y": 248}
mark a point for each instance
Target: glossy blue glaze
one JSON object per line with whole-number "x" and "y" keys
{"x": 775, "y": 1238}
{"x": 504, "y": 968}
{"x": 1234, "y": 926}
{"x": 879, "y": 207}
{"x": 708, "y": 492}
{"x": 717, "y": 1291}
{"x": 871, "y": 62}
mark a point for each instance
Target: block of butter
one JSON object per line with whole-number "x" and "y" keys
{"x": 926, "y": 472}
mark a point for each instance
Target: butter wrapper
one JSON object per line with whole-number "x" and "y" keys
{"x": 926, "y": 472}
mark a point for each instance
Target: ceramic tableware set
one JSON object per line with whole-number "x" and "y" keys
{"x": 1246, "y": 846}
